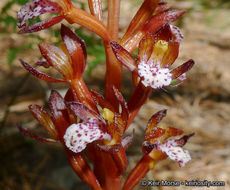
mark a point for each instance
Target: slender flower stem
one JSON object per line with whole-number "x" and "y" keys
{"x": 138, "y": 98}
{"x": 81, "y": 167}
{"x": 139, "y": 172}
{"x": 88, "y": 21}
{"x": 113, "y": 75}
{"x": 113, "y": 67}
{"x": 81, "y": 92}
{"x": 107, "y": 172}
{"x": 113, "y": 18}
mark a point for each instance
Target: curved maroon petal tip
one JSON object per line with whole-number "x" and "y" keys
{"x": 123, "y": 56}
{"x": 182, "y": 69}
{"x": 83, "y": 112}
{"x": 44, "y": 64}
{"x": 183, "y": 140}
{"x": 147, "y": 147}
{"x": 28, "y": 133}
{"x": 66, "y": 31}
{"x": 110, "y": 148}
{"x": 41, "y": 25}
{"x": 38, "y": 74}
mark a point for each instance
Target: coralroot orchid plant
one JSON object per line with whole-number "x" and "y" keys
{"x": 91, "y": 127}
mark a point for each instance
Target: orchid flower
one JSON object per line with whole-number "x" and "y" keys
{"x": 70, "y": 61}
{"x": 156, "y": 53}
{"x": 157, "y": 146}
{"x": 39, "y": 7}
{"x": 65, "y": 10}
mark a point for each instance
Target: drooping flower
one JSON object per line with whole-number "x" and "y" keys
{"x": 159, "y": 145}
{"x": 39, "y": 7}
{"x": 157, "y": 142}
{"x": 93, "y": 128}
{"x": 64, "y": 10}
{"x": 156, "y": 53}
{"x": 109, "y": 126}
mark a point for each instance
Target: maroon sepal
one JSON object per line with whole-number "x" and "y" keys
{"x": 28, "y": 133}
{"x": 42, "y": 25}
{"x": 101, "y": 101}
{"x": 182, "y": 69}
{"x": 123, "y": 56}
{"x": 77, "y": 50}
{"x": 59, "y": 113}
{"x": 84, "y": 112}
{"x": 151, "y": 130}
{"x": 39, "y": 74}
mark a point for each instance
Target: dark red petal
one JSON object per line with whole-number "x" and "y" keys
{"x": 44, "y": 119}
{"x": 147, "y": 147}
{"x": 59, "y": 113}
{"x": 44, "y": 64}
{"x": 171, "y": 54}
{"x": 152, "y": 26}
{"x": 123, "y": 56}
{"x": 164, "y": 34}
{"x": 183, "y": 140}
{"x": 76, "y": 48}
{"x": 99, "y": 99}
{"x": 69, "y": 96}
{"x": 156, "y": 22}
{"x": 124, "y": 106}
{"x": 57, "y": 58}
{"x": 151, "y": 128}
{"x": 84, "y": 112}
{"x": 39, "y": 74}
{"x": 26, "y": 132}
{"x": 41, "y": 25}
{"x": 143, "y": 14}
{"x": 182, "y": 69}
{"x": 146, "y": 47}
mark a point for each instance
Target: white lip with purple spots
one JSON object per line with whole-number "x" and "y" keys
{"x": 175, "y": 152}
{"x": 77, "y": 136}
{"x": 153, "y": 75}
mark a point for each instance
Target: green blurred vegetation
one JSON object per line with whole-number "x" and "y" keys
{"x": 8, "y": 23}
{"x": 212, "y": 4}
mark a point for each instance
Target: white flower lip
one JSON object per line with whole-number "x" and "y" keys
{"x": 175, "y": 152}
{"x": 153, "y": 75}
{"x": 77, "y": 136}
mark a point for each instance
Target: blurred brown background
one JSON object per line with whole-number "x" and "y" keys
{"x": 201, "y": 104}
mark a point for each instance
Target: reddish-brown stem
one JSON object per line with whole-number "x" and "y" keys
{"x": 138, "y": 98}
{"x": 113, "y": 67}
{"x": 138, "y": 172}
{"x": 88, "y": 21}
{"x": 82, "y": 94}
{"x": 113, "y": 18}
{"x": 109, "y": 173}
{"x": 113, "y": 75}
{"x": 81, "y": 167}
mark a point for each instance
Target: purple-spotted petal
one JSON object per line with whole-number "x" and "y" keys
{"x": 175, "y": 152}
{"x": 41, "y": 25}
{"x": 153, "y": 75}
{"x": 77, "y": 136}
{"x": 177, "y": 34}
{"x": 34, "y": 9}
